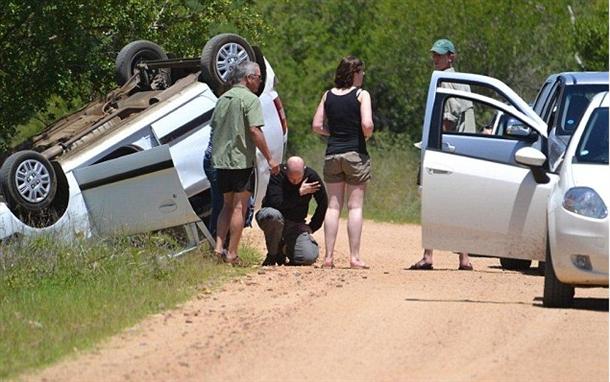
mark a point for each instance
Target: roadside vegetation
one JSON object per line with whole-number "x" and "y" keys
{"x": 57, "y": 298}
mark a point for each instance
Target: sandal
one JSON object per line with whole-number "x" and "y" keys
{"x": 233, "y": 261}
{"x": 421, "y": 266}
{"x": 467, "y": 267}
{"x": 220, "y": 256}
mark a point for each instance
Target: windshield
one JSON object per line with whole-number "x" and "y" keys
{"x": 593, "y": 145}
{"x": 576, "y": 100}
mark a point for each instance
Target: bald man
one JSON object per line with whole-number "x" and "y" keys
{"x": 284, "y": 210}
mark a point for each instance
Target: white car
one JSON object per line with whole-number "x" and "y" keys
{"x": 133, "y": 162}
{"x": 485, "y": 194}
{"x": 577, "y": 254}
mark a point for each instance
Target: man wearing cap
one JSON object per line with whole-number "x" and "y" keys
{"x": 458, "y": 116}
{"x": 459, "y": 113}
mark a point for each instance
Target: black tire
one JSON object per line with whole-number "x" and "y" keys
{"x": 219, "y": 57}
{"x": 515, "y": 264}
{"x": 260, "y": 60}
{"x": 556, "y": 294}
{"x": 134, "y": 53}
{"x": 28, "y": 180}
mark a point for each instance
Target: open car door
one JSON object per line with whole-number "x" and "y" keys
{"x": 478, "y": 195}
{"x": 136, "y": 193}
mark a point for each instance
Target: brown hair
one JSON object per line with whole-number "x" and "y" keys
{"x": 344, "y": 76}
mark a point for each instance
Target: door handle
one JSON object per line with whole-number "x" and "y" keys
{"x": 448, "y": 147}
{"x": 437, "y": 171}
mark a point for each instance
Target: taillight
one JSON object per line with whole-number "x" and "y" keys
{"x": 280, "y": 113}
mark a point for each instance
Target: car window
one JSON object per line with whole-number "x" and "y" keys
{"x": 462, "y": 116}
{"x": 593, "y": 145}
{"x": 541, "y": 97}
{"x": 575, "y": 100}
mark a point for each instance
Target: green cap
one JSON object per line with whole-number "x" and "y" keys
{"x": 443, "y": 46}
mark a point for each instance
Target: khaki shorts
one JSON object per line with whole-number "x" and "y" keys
{"x": 351, "y": 167}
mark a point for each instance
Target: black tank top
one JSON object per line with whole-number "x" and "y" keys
{"x": 343, "y": 115}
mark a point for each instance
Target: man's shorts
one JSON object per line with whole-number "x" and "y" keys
{"x": 235, "y": 180}
{"x": 351, "y": 167}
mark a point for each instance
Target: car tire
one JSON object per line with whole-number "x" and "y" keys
{"x": 260, "y": 60}
{"x": 219, "y": 57}
{"x": 134, "y": 53}
{"x": 556, "y": 294}
{"x": 515, "y": 264}
{"x": 28, "y": 181}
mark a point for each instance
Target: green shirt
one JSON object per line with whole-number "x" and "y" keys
{"x": 236, "y": 111}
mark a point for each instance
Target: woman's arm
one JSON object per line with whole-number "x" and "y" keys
{"x": 366, "y": 114}
{"x": 319, "y": 118}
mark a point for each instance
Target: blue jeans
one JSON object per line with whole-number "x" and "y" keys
{"x": 217, "y": 198}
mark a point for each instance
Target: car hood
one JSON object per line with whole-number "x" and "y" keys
{"x": 594, "y": 176}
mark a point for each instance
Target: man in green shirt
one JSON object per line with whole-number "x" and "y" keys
{"x": 236, "y": 133}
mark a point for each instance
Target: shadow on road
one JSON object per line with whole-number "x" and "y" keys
{"x": 585, "y": 303}
{"x": 468, "y": 301}
{"x": 532, "y": 271}
{"x": 593, "y": 304}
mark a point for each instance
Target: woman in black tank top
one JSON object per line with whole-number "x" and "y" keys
{"x": 345, "y": 116}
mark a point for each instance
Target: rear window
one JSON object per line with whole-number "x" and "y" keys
{"x": 593, "y": 145}
{"x": 575, "y": 101}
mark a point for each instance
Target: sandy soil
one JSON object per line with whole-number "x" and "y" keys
{"x": 384, "y": 324}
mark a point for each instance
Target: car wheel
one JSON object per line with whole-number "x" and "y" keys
{"x": 556, "y": 294}
{"x": 220, "y": 55}
{"x": 515, "y": 264}
{"x": 136, "y": 52}
{"x": 28, "y": 180}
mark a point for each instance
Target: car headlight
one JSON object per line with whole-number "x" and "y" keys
{"x": 585, "y": 201}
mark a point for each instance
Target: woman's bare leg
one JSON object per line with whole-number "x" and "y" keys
{"x": 354, "y": 220}
{"x": 331, "y": 220}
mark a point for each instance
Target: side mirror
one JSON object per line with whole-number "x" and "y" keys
{"x": 518, "y": 129}
{"x": 530, "y": 157}
{"x": 534, "y": 159}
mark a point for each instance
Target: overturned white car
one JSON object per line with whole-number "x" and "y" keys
{"x": 133, "y": 162}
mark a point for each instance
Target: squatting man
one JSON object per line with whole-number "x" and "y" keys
{"x": 284, "y": 210}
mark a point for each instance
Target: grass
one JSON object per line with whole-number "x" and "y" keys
{"x": 56, "y": 298}
{"x": 391, "y": 195}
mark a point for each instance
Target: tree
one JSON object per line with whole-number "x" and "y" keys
{"x": 518, "y": 42}
{"x": 68, "y": 47}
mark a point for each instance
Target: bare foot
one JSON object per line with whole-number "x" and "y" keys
{"x": 328, "y": 263}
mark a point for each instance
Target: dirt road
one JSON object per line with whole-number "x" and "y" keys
{"x": 384, "y": 324}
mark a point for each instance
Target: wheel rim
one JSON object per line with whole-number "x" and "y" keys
{"x": 228, "y": 57}
{"x": 33, "y": 181}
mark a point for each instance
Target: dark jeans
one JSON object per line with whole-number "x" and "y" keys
{"x": 217, "y": 199}
{"x": 300, "y": 246}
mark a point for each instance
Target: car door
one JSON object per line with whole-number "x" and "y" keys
{"x": 136, "y": 193}
{"x": 476, "y": 197}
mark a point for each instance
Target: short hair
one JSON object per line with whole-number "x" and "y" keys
{"x": 344, "y": 75}
{"x": 242, "y": 70}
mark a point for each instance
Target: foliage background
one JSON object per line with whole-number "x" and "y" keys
{"x": 520, "y": 42}
{"x": 59, "y": 54}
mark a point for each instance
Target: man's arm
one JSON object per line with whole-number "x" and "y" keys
{"x": 322, "y": 204}
{"x": 274, "y": 197}
{"x": 259, "y": 140}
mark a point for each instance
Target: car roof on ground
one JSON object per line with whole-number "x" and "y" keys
{"x": 573, "y": 78}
